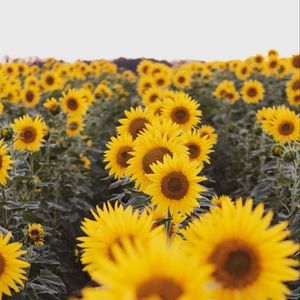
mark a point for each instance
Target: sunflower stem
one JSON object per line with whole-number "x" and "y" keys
{"x": 227, "y": 122}
{"x": 4, "y": 207}
{"x": 32, "y": 175}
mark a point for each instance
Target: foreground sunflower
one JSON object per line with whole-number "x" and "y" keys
{"x": 250, "y": 258}
{"x": 29, "y": 133}
{"x": 134, "y": 123}
{"x": 73, "y": 103}
{"x": 118, "y": 154}
{"x": 252, "y": 91}
{"x": 5, "y": 163}
{"x": 182, "y": 110}
{"x": 11, "y": 266}
{"x": 155, "y": 272}
{"x": 175, "y": 184}
{"x": 107, "y": 233}
{"x": 151, "y": 147}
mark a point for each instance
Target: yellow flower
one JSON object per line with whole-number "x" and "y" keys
{"x": 51, "y": 104}
{"x": 5, "y": 163}
{"x": 29, "y": 133}
{"x": 175, "y": 184}
{"x": 30, "y": 96}
{"x": 107, "y": 233}
{"x": 50, "y": 81}
{"x": 36, "y": 234}
{"x": 243, "y": 71}
{"x": 182, "y": 79}
{"x": 73, "y": 103}
{"x": 250, "y": 258}
{"x": 11, "y": 266}
{"x": 86, "y": 162}
{"x": 118, "y": 154}
{"x": 209, "y": 132}
{"x": 252, "y": 91}
{"x": 75, "y": 125}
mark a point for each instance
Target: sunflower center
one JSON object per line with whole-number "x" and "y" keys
{"x": 160, "y": 288}
{"x": 158, "y": 111}
{"x": 181, "y": 79}
{"x": 180, "y": 115}
{"x": 296, "y": 61}
{"x": 160, "y": 82}
{"x": 286, "y": 128}
{"x": 297, "y": 99}
{"x": 49, "y": 80}
{"x": 34, "y": 232}
{"x": 153, "y": 98}
{"x": 72, "y": 104}
{"x": 152, "y": 156}
{"x": 273, "y": 64}
{"x": 73, "y": 126}
{"x": 123, "y": 156}
{"x": 29, "y": 96}
{"x": 2, "y": 265}
{"x": 236, "y": 264}
{"x": 296, "y": 85}
{"x": 258, "y": 59}
{"x": 252, "y": 92}
{"x": 244, "y": 70}
{"x": 136, "y": 126}
{"x": 175, "y": 185}
{"x": 28, "y": 135}
{"x": 194, "y": 150}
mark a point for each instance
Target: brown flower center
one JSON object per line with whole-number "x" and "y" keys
{"x": 160, "y": 82}
{"x": 296, "y": 61}
{"x": 297, "y": 99}
{"x": 181, "y": 79}
{"x": 180, "y": 115}
{"x": 153, "y": 98}
{"x": 72, "y": 104}
{"x": 2, "y": 264}
{"x": 252, "y": 92}
{"x": 29, "y": 96}
{"x": 194, "y": 150}
{"x": 136, "y": 126}
{"x": 160, "y": 288}
{"x": 244, "y": 70}
{"x": 73, "y": 126}
{"x": 49, "y": 80}
{"x": 286, "y": 128}
{"x": 174, "y": 185}
{"x": 258, "y": 59}
{"x": 236, "y": 264}
{"x": 28, "y": 135}
{"x": 152, "y": 156}
{"x": 34, "y": 233}
{"x": 123, "y": 156}
{"x": 296, "y": 85}
{"x": 273, "y": 64}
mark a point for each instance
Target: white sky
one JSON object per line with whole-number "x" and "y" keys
{"x": 162, "y": 29}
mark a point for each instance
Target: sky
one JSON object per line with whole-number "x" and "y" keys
{"x": 161, "y": 29}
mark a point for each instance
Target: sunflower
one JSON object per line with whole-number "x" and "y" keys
{"x": 134, "y": 123}
{"x": 30, "y": 96}
{"x": 86, "y": 162}
{"x": 50, "y": 81}
{"x": 11, "y": 266}
{"x": 182, "y": 110}
{"x": 174, "y": 184}
{"x": 118, "y": 154}
{"x": 74, "y": 125}
{"x": 52, "y": 104}
{"x": 271, "y": 66}
{"x": 209, "y": 132}
{"x": 29, "y": 133}
{"x": 294, "y": 98}
{"x": 219, "y": 201}
{"x": 273, "y": 53}
{"x": 150, "y": 148}
{"x": 250, "y": 258}
{"x": 285, "y": 125}
{"x": 5, "y": 163}
{"x": 252, "y": 91}
{"x": 144, "y": 67}
{"x": 151, "y": 96}
{"x": 155, "y": 271}
{"x": 145, "y": 83}
{"x": 243, "y": 71}
{"x": 226, "y": 91}
{"x": 31, "y": 81}
{"x": 107, "y": 233}
{"x": 36, "y": 234}
{"x": 102, "y": 90}
{"x": 295, "y": 63}
{"x": 258, "y": 61}
{"x": 199, "y": 147}
{"x": 182, "y": 79}
{"x": 73, "y": 103}
{"x": 155, "y": 110}
{"x": 293, "y": 84}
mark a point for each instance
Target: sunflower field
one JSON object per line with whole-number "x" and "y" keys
{"x": 169, "y": 182}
